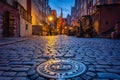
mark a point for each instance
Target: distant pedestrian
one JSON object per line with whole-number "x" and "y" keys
{"x": 116, "y": 33}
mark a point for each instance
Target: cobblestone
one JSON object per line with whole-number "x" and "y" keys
{"x": 20, "y": 69}
{"x": 108, "y": 75}
{"x": 5, "y": 78}
{"x": 86, "y": 77}
{"x": 41, "y": 78}
{"x": 91, "y": 74}
{"x": 15, "y": 63}
{"x": 31, "y": 72}
{"x": 1, "y": 72}
{"x": 114, "y": 70}
{"x": 29, "y": 63}
{"x": 33, "y": 77}
{"x": 21, "y": 78}
{"x": 18, "y": 61}
{"x": 9, "y": 74}
{"x": 4, "y": 68}
{"x": 21, "y": 74}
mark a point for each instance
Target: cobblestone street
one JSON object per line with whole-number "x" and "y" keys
{"x": 18, "y": 61}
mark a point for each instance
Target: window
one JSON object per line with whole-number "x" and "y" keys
{"x": 26, "y": 28}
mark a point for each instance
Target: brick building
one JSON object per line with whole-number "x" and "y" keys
{"x": 18, "y": 16}
{"x": 105, "y": 18}
{"x": 9, "y": 18}
{"x": 96, "y": 14}
{"x": 15, "y": 16}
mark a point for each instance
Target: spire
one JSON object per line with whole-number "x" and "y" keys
{"x": 61, "y": 13}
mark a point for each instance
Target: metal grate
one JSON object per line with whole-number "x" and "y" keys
{"x": 61, "y": 69}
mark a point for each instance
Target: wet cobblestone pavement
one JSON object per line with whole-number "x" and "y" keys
{"x": 18, "y": 61}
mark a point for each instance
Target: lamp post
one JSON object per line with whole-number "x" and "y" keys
{"x": 50, "y": 19}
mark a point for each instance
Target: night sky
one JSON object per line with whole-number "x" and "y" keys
{"x": 64, "y": 4}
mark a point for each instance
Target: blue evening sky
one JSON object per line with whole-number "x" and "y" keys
{"x": 64, "y": 4}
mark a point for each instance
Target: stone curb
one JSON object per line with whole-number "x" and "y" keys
{"x": 14, "y": 41}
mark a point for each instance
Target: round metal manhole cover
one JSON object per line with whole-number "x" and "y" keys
{"x": 61, "y": 69}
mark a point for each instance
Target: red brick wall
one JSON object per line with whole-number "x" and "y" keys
{"x": 108, "y": 17}
{"x": 5, "y": 7}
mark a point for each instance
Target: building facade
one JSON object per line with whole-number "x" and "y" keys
{"x": 18, "y": 16}
{"x": 9, "y": 18}
{"x": 91, "y": 17}
{"x": 54, "y": 23}
{"x": 59, "y": 23}
{"x": 24, "y": 7}
{"x": 40, "y": 12}
{"x": 15, "y": 18}
{"x": 102, "y": 21}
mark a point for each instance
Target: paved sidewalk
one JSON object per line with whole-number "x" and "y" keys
{"x": 11, "y": 40}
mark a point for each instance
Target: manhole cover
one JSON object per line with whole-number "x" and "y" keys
{"x": 61, "y": 69}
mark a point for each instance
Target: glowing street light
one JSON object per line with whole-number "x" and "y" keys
{"x": 50, "y": 18}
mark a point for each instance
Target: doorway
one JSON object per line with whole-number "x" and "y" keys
{"x": 8, "y": 25}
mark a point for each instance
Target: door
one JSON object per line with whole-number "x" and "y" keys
{"x": 8, "y": 26}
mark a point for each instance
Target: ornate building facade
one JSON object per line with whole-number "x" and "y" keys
{"x": 15, "y": 18}
{"x": 18, "y": 16}
{"x": 54, "y": 23}
{"x": 25, "y": 23}
{"x": 9, "y": 18}
{"x": 60, "y": 23}
{"x": 89, "y": 15}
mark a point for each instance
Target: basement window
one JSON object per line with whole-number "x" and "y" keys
{"x": 26, "y": 27}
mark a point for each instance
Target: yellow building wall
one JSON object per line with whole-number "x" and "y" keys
{"x": 36, "y": 16}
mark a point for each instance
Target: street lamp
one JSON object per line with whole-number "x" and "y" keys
{"x": 50, "y": 20}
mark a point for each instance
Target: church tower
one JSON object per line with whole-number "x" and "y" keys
{"x": 61, "y": 21}
{"x": 61, "y": 15}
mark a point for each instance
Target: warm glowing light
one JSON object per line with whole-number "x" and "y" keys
{"x": 70, "y": 28}
{"x": 96, "y": 26}
{"x": 33, "y": 19}
{"x": 50, "y": 18}
{"x": 65, "y": 27}
{"x": 41, "y": 24}
{"x": 51, "y": 41}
